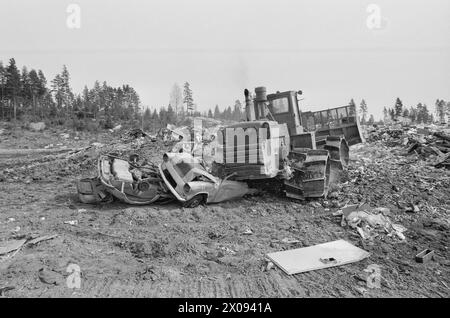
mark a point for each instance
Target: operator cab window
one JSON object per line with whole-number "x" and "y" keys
{"x": 280, "y": 105}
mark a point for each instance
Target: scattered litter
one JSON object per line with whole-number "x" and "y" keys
{"x": 361, "y": 290}
{"x": 72, "y": 222}
{"x": 116, "y": 128}
{"x": 97, "y": 144}
{"x": 49, "y": 276}
{"x": 248, "y": 232}
{"x": 11, "y": 220}
{"x": 269, "y": 266}
{"x": 372, "y": 223}
{"x": 41, "y": 238}
{"x": 228, "y": 250}
{"x": 433, "y": 146}
{"x": 288, "y": 240}
{"x": 349, "y": 208}
{"x": 316, "y": 257}
{"x": 424, "y": 256}
{"x": 5, "y": 289}
{"x": 81, "y": 210}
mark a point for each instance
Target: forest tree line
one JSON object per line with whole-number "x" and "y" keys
{"x": 419, "y": 114}
{"x": 27, "y": 95}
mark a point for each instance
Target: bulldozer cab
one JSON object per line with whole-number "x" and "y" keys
{"x": 305, "y": 128}
{"x": 340, "y": 121}
{"x": 284, "y": 108}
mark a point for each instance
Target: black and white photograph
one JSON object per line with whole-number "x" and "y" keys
{"x": 224, "y": 154}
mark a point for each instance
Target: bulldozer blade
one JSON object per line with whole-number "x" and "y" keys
{"x": 335, "y": 171}
{"x": 293, "y": 191}
{"x": 339, "y": 152}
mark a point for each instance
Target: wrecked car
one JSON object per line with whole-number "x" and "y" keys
{"x": 125, "y": 180}
{"x": 192, "y": 184}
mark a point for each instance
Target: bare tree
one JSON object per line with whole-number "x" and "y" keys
{"x": 176, "y": 98}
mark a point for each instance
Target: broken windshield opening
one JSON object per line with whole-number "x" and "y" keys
{"x": 182, "y": 168}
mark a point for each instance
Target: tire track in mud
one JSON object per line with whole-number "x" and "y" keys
{"x": 272, "y": 285}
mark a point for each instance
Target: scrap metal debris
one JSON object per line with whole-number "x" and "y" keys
{"x": 424, "y": 256}
{"x": 428, "y": 142}
{"x": 371, "y": 223}
{"x": 41, "y": 239}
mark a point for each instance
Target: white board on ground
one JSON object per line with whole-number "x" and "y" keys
{"x": 319, "y": 256}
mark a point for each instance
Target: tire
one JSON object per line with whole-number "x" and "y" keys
{"x": 195, "y": 201}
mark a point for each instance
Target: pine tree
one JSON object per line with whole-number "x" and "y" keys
{"x": 2, "y": 88}
{"x": 155, "y": 116}
{"x": 237, "y": 111}
{"x": 405, "y": 113}
{"x": 412, "y": 114}
{"x": 57, "y": 84}
{"x": 35, "y": 86}
{"x": 440, "y": 109}
{"x": 188, "y": 99}
{"x": 217, "y": 112}
{"x": 210, "y": 114}
{"x": 67, "y": 94}
{"x": 147, "y": 114}
{"x": 25, "y": 86}
{"x": 398, "y": 107}
{"x": 363, "y": 109}
{"x": 163, "y": 116}
{"x": 171, "y": 116}
{"x": 423, "y": 116}
{"x": 12, "y": 85}
{"x": 392, "y": 113}
{"x": 228, "y": 113}
{"x": 352, "y": 110}
{"x": 176, "y": 98}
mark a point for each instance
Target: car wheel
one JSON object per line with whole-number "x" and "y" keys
{"x": 195, "y": 201}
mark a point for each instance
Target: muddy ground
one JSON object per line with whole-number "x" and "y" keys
{"x": 170, "y": 251}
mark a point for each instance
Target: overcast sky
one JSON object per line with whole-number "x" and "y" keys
{"x": 324, "y": 48}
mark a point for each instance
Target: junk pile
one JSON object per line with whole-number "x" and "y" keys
{"x": 197, "y": 142}
{"x": 132, "y": 181}
{"x": 135, "y": 181}
{"x": 371, "y": 223}
{"x": 431, "y": 143}
{"x": 52, "y": 165}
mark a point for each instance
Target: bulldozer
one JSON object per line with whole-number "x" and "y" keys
{"x": 299, "y": 153}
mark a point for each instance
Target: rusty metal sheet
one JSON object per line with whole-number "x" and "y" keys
{"x": 319, "y": 256}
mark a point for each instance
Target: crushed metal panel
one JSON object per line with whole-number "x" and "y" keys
{"x": 320, "y": 256}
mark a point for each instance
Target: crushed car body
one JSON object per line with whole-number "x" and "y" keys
{"x": 125, "y": 180}
{"x": 192, "y": 184}
{"x": 180, "y": 176}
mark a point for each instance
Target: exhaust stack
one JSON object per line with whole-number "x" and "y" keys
{"x": 249, "y": 106}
